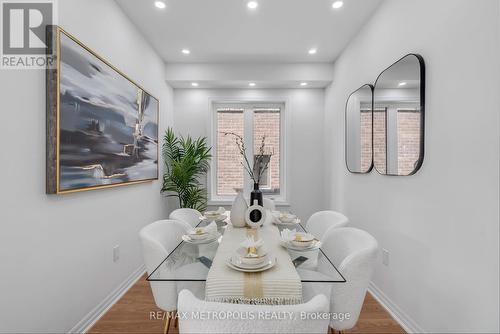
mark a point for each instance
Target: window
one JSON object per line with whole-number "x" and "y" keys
{"x": 254, "y": 122}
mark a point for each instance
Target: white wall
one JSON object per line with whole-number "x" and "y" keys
{"x": 56, "y": 251}
{"x": 305, "y": 137}
{"x": 441, "y": 225}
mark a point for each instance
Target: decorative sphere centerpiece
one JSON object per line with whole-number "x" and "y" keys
{"x": 255, "y": 210}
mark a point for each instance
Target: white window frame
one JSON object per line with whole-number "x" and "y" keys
{"x": 281, "y": 199}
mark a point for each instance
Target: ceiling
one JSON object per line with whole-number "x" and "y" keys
{"x": 224, "y": 31}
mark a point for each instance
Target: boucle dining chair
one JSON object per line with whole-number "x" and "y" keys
{"x": 268, "y": 204}
{"x": 190, "y": 216}
{"x": 248, "y": 318}
{"x": 320, "y": 222}
{"x": 354, "y": 253}
{"x": 158, "y": 240}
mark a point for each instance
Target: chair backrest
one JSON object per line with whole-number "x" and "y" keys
{"x": 322, "y": 221}
{"x": 268, "y": 204}
{"x": 242, "y": 318}
{"x": 190, "y": 216}
{"x": 354, "y": 252}
{"x": 158, "y": 240}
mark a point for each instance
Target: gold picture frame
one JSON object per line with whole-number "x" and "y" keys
{"x": 83, "y": 154}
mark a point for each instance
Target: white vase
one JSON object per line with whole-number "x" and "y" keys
{"x": 238, "y": 210}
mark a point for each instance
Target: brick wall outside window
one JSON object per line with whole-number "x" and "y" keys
{"x": 229, "y": 169}
{"x": 267, "y": 123}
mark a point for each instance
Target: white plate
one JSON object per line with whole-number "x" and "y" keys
{"x": 278, "y": 222}
{"x": 236, "y": 261}
{"x": 211, "y": 238}
{"x": 242, "y": 256}
{"x": 268, "y": 265}
{"x": 315, "y": 245}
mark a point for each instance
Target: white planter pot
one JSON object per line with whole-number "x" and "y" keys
{"x": 238, "y": 211}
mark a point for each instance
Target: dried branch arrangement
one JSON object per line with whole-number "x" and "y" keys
{"x": 261, "y": 162}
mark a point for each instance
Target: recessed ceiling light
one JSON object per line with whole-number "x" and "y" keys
{"x": 313, "y": 51}
{"x": 186, "y": 51}
{"x": 252, "y": 84}
{"x": 194, "y": 84}
{"x": 252, "y": 4}
{"x": 337, "y": 4}
{"x": 303, "y": 83}
{"x": 402, "y": 84}
{"x": 160, "y": 4}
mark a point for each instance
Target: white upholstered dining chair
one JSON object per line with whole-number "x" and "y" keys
{"x": 354, "y": 253}
{"x": 320, "y": 222}
{"x": 268, "y": 204}
{"x": 158, "y": 240}
{"x": 249, "y": 320}
{"x": 190, "y": 216}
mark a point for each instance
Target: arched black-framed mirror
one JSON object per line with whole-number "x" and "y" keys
{"x": 398, "y": 117}
{"x": 358, "y": 130}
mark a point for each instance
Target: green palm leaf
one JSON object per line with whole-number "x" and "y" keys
{"x": 187, "y": 161}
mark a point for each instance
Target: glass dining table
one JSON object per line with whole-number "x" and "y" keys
{"x": 191, "y": 262}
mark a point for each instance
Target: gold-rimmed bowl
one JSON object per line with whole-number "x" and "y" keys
{"x": 246, "y": 258}
{"x": 198, "y": 234}
{"x": 302, "y": 240}
{"x": 287, "y": 218}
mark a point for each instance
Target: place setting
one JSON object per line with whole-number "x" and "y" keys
{"x": 202, "y": 235}
{"x": 299, "y": 241}
{"x": 251, "y": 256}
{"x": 285, "y": 219}
{"x": 218, "y": 216}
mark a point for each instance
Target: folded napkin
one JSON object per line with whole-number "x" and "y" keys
{"x": 288, "y": 235}
{"x": 251, "y": 245}
{"x": 210, "y": 228}
{"x": 221, "y": 210}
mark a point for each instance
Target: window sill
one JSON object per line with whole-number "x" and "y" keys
{"x": 230, "y": 202}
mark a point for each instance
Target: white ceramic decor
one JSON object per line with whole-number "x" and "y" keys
{"x": 238, "y": 210}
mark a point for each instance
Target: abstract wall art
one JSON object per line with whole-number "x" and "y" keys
{"x": 102, "y": 128}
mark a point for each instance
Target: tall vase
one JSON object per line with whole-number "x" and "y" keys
{"x": 256, "y": 195}
{"x": 238, "y": 210}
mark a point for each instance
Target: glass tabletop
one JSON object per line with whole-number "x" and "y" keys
{"x": 190, "y": 262}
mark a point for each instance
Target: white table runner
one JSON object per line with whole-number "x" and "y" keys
{"x": 278, "y": 285}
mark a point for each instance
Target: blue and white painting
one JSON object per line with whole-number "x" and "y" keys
{"x": 108, "y": 125}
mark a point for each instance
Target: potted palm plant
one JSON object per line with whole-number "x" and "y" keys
{"x": 186, "y": 161}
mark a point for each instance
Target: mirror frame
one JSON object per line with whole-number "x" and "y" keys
{"x": 422, "y": 115}
{"x": 372, "y": 89}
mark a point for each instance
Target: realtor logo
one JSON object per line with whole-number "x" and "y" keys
{"x": 23, "y": 36}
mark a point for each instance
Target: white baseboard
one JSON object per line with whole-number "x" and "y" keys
{"x": 91, "y": 318}
{"x": 401, "y": 318}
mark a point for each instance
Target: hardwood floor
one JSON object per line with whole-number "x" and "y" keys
{"x": 136, "y": 312}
